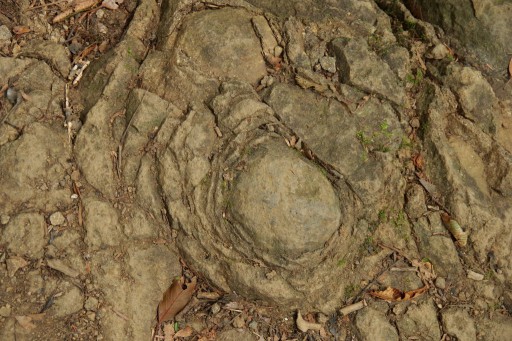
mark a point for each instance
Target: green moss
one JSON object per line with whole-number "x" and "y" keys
{"x": 342, "y": 262}
{"x": 401, "y": 226}
{"x": 382, "y": 215}
{"x": 405, "y": 143}
{"x": 350, "y": 290}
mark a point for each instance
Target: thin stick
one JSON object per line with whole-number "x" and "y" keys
{"x": 353, "y": 307}
{"x": 45, "y": 5}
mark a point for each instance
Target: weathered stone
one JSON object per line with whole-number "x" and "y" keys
{"x": 328, "y": 64}
{"x": 457, "y": 322}
{"x": 91, "y": 303}
{"x": 420, "y": 321}
{"x": 57, "y": 219}
{"x": 482, "y": 26}
{"x": 284, "y": 203}
{"x": 61, "y": 266}
{"x": 44, "y": 161}
{"x": 496, "y": 329}
{"x": 374, "y": 326}
{"x": 5, "y": 34}
{"x": 311, "y": 117}
{"x": 14, "y": 264}
{"x": 415, "y": 202}
{"x": 53, "y": 53}
{"x": 362, "y": 68}
{"x": 398, "y": 59}
{"x": 69, "y": 303}
{"x": 5, "y": 311}
{"x": 102, "y": 224}
{"x": 25, "y": 235}
{"x": 229, "y": 45}
{"x": 439, "y": 250}
{"x": 475, "y": 96}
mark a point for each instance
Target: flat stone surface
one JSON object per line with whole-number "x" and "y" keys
{"x": 25, "y": 235}
{"x": 362, "y": 68}
{"x": 374, "y": 326}
{"x": 420, "y": 321}
{"x": 311, "y": 117}
{"x": 222, "y": 43}
{"x": 284, "y": 203}
{"x": 458, "y": 323}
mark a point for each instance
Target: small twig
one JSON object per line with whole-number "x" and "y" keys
{"x": 411, "y": 269}
{"x": 120, "y": 315}
{"x": 46, "y": 5}
{"x": 352, "y": 307}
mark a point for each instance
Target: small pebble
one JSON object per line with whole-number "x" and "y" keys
{"x": 74, "y": 196}
{"x": 91, "y": 304}
{"x": 102, "y": 28}
{"x": 440, "y": 51}
{"x": 75, "y": 175}
{"x": 415, "y": 123}
{"x": 328, "y": 64}
{"x": 278, "y": 50}
{"x": 440, "y": 283}
{"x": 5, "y": 311}
{"x": 5, "y": 33}
{"x": 253, "y": 325}
{"x": 57, "y": 218}
{"x": 100, "y": 13}
{"x": 215, "y": 308}
{"x": 239, "y": 322}
{"x": 4, "y": 219}
{"x": 12, "y": 95}
{"x": 475, "y": 276}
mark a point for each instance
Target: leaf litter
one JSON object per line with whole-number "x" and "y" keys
{"x": 175, "y": 298}
{"x": 395, "y": 295}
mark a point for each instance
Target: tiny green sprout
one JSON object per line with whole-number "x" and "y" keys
{"x": 405, "y": 143}
{"x": 176, "y": 326}
{"x": 342, "y": 262}
{"x": 382, "y": 215}
{"x": 384, "y": 126}
{"x": 426, "y": 260}
{"x": 350, "y": 290}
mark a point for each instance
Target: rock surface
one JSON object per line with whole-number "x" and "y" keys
{"x": 291, "y": 155}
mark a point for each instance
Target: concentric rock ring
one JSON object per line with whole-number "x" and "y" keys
{"x": 258, "y": 217}
{"x": 284, "y": 203}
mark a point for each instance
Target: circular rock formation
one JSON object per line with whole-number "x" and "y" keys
{"x": 284, "y": 204}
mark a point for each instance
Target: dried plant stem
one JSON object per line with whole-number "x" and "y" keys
{"x": 353, "y": 307}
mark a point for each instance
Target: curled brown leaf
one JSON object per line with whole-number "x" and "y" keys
{"x": 396, "y": 295}
{"x": 455, "y": 229}
{"x": 175, "y": 298}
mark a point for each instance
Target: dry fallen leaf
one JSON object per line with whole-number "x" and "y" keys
{"x": 395, "y": 295}
{"x": 510, "y": 68}
{"x": 20, "y": 30}
{"x": 75, "y": 7}
{"x": 419, "y": 162}
{"x": 175, "y": 298}
{"x": 304, "y": 325}
{"x": 185, "y": 332}
{"x": 426, "y": 270}
{"x": 25, "y": 322}
{"x": 453, "y": 226}
{"x": 169, "y": 332}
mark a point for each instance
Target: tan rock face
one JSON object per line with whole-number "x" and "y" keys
{"x": 285, "y": 203}
{"x": 222, "y": 43}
